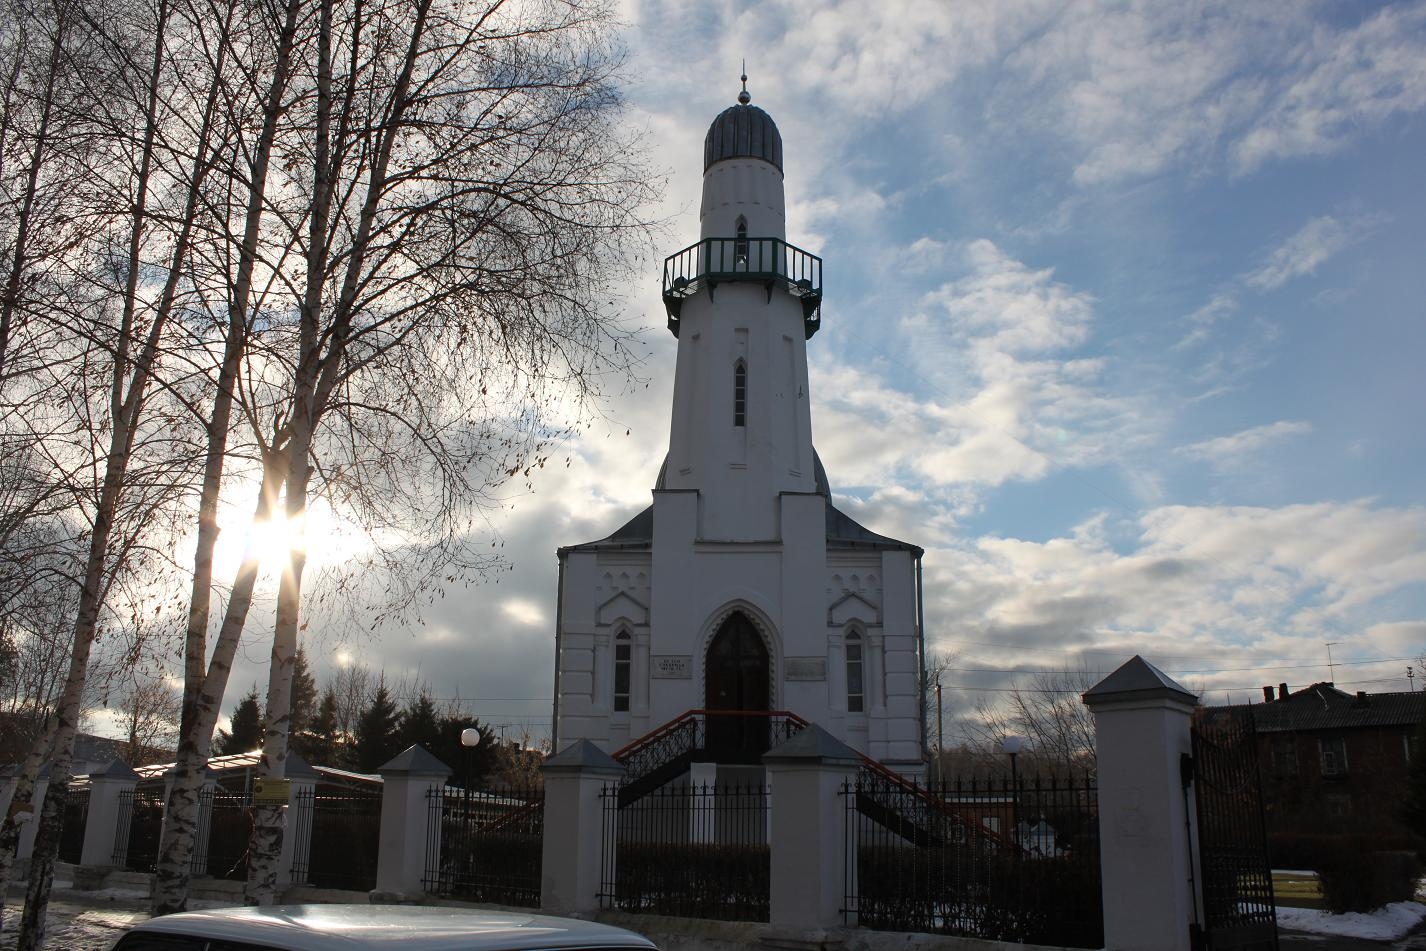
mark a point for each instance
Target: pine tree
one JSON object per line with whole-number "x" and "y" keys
{"x": 319, "y": 744}
{"x": 420, "y": 723}
{"x": 378, "y": 732}
{"x": 304, "y": 694}
{"x": 472, "y": 765}
{"x": 247, "y": 728}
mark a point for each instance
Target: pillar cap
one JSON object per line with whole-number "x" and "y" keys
{"x": 582, "y": 756}
{"x": 813, "y": 745}
{"x": 414, "y": 760}
{"x": 114, "y": 769}
{"x": 1135, "y": 681}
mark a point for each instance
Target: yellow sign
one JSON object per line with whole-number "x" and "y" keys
{"x": 269, "y": 792}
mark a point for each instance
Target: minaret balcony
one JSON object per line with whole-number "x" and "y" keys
{"x": 771, "y": 262}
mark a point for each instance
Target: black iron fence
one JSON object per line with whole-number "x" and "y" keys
{"x": 337, "y": 833}
{"x": 995, "y": 860}
{"x": 223, "y": 851}
{"x": 486, "y": 845}
{"x": 137, "y": 832}
{"x": 696, "y": 851}
{"x": 71, "y": 836}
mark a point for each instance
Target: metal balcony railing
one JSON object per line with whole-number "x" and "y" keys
{"x": 771, "y": 262}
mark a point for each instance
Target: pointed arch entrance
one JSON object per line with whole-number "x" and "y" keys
{"x": 737, "y": 679}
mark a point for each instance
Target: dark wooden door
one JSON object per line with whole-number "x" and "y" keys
{"x": 737, "y": 681}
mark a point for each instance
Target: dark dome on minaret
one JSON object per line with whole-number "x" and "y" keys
{"x": 742, "y": 131}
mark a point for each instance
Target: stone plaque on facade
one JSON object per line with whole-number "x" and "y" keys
{"x": 671, "y": 666}
{"x": 806, "y": 668}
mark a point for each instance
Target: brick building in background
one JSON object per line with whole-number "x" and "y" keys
{"x": 1336, "y": 762}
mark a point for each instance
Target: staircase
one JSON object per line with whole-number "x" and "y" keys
{"x": 741, "y": 737}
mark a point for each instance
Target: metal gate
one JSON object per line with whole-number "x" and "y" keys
{"x": 1232, "y": 834}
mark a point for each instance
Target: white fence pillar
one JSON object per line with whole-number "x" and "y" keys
{"x": 809, "y": 828}
{"x": 408, "y": 782}
{"x": 1141, "y": 724}
{"x": 101, "y": 822}
{"x": 574, "y": 827}
{"x": 297, "y": 836}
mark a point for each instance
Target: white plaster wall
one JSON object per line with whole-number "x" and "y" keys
{"x": 748, "y": 187}
{"x": 740, "y": 470}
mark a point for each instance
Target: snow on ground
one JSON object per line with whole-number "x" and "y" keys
{"x": 1384, "y": 924}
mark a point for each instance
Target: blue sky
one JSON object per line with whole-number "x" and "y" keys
{"x": 1123, "y": 324}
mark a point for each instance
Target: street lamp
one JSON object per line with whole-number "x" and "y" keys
{"x": 1012, "y": 745}
{"x": 469, "y": 739}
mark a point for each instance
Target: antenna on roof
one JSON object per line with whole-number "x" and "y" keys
{"x": 1331, "y": 667}
{"x": 745, "y": 97}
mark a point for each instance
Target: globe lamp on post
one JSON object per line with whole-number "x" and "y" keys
{"x": 1012, "y": 745}
{"x": 469, "y": 740}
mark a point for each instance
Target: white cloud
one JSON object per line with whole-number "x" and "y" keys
{"x": 1223, "y": 449}
{"x": 1189, "y": 587}
{"x": 1303, "y": 252}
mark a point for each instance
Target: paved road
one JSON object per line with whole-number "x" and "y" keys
{"x": 87, "y": 924}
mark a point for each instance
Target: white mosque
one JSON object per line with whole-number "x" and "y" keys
{"x": 742, "y": 590}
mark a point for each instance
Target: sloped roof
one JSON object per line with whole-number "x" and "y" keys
{"x": 1323, "y": 707}
{"x": 843, "y": 532}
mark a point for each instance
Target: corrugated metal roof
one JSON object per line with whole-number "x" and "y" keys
{"x": 742, "y": 132}
{"x": 1323, "y": 707}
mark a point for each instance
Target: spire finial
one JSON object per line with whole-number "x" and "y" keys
{"x": 745, "y": 97}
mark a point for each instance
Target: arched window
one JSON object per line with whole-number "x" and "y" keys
{"x": 856, "y": 690}
{"x": 740, "y": 245}
{"x": 623, "y": 661}
{"x": 740, "y": 394}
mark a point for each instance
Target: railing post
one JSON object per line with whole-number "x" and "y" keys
{"x": 808, "y": 837}
{"x": 574, "y": 826}
{"x": 1141, "y": 725}
{"x": 101, "y": 823}
{"x": 402, "y": 854}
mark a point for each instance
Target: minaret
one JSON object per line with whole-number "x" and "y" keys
{"x": 742, "y": 303}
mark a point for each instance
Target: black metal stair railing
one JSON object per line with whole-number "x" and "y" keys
{"x": 722, "y": 736}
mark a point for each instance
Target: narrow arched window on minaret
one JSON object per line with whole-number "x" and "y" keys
{"x": 740, "y": 243}
{"x": 740, "y": 393}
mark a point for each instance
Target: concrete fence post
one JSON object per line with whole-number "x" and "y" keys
{"x": 408, "y": 782}
{"x": 808, "y": 837}
{"x": 1141, "y": 724}
{"x": 574, "y": 827}
{"x": 101, "y": 822}
{"x": 296, "y": 820}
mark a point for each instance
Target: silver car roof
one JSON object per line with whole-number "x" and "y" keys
{"x": 417, "y": 928}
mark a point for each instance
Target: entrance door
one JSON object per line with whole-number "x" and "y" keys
{"x": 738, "y": 680}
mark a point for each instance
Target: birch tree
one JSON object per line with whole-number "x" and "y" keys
{"x": 437, "y": 194}
{"x": 470, "y": 199}
{"x": 145, "y": 163}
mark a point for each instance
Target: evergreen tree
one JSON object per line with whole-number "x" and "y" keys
{"x": 378, "y": 732}
{"x": 420, "y": 723}
{"x": 471, "y": 765}
{"x": 247, "y": 728}
{"x": 304, "y": 694}
{"x": 319, "y": 744}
